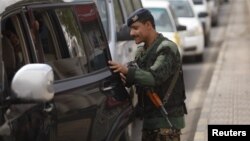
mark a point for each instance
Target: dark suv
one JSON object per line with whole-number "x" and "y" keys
{"x": 55, "y": 81}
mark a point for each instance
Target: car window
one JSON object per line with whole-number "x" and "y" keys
{"x": 162, "y": 20}
{"x": 43, "y": 36}
{"x": 51, "y": 46}
{"x": 71, "y": 32}
{"x": 174, "y": 15}
{"x": 182, "y": 8}
{"x": 14, "y": 52}
{"x": 70, "y": 39}
{"x": 93, "y": 36}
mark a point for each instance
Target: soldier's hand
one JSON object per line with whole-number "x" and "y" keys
{"x": 116, "y": 67}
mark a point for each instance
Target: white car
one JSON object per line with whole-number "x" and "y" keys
{"x": 202, "y": 10}
{"x": 193, "y": 36}
{"x": 166, "y": 22}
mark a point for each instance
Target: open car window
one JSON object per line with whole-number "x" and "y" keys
{"x": 71, "y": 39}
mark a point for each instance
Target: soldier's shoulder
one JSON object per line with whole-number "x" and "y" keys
{"x": 167, "y": 44}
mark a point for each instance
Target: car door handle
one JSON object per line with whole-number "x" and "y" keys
{"x": 108, "y": 88}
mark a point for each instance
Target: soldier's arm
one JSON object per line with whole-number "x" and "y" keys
{"x": 161, "y": 70}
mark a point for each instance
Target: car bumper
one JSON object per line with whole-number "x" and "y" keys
{"x": 193, "y": 45}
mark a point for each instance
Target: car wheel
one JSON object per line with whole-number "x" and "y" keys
{"x": 207, "y": 39}
{"x": 199, "y": 58}
{"x": 215, "y": 23}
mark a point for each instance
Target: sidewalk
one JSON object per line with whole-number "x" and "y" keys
{"x": 228, "y": 97}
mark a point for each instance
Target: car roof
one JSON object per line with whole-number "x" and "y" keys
{"x": 5, "y": 4}
{"x": 190, "y": 1}
{"x": 155, "y": 3}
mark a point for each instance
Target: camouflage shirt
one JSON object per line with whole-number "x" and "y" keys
{"x": 157, "y": 66}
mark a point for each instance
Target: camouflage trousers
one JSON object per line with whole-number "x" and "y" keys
{"x": 163, "y": 134}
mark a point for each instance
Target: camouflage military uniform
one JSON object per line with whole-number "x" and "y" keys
{"x": 157, "y": 66}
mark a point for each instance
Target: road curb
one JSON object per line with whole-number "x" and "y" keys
{"x": 201, "y": 129}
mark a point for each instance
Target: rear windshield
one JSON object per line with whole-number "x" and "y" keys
{"x": 162, "y": 20}
{"x": 198, "y": 2}
{"x": 182, "y": 8}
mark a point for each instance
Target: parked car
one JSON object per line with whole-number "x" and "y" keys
{"x": 202, "y": 10}
{"x": 166, "y": 21}
{"x": 214, "y": 7}
{"x": 55, "y": 80}
{"x": 193, "y": 36}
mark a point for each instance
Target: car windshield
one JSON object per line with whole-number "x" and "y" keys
{"x": 162, "y": 20}
{"x": 198, "y": 2}
{"x": 182, "y": 8}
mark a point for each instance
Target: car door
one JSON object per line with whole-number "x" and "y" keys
{"x": 90, "y": 102}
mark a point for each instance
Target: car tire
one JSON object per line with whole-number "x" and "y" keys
{"x": 215, "y": 23}
{"x": 207, "y": 39}
{"x": 199, "y": 58}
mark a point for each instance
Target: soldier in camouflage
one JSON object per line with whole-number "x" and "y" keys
{"x": 157, "y": 60}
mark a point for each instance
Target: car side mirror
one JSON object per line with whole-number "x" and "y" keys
{"x": 181, "y": 27}
{"x": 124, "y": 34}
{"x": 34, "y": 82}
{"x": 202, "y": 14}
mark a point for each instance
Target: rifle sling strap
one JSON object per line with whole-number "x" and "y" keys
{"x": 171, "y": 87}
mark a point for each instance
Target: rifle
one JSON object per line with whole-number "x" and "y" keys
{"x": 158, "y": 104}
{"x": 155, "y": 98}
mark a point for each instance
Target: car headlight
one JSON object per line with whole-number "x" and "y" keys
{"x": 177, "y": 39}
{"x": 194, "y": 32}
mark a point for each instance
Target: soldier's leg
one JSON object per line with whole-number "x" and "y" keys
{"x": 151, "y": 135}
{"x": 163, "y": 134}
{"x": 170, "y": 135}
